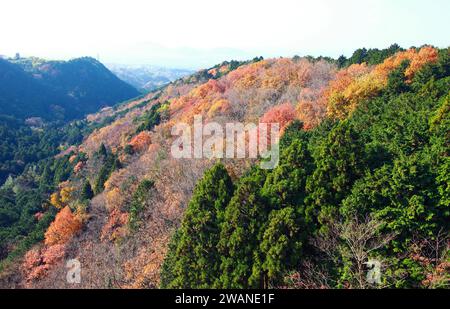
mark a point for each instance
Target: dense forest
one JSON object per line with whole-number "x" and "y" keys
{"x": 363, "y": 176}
{"x": 372, "y": 185}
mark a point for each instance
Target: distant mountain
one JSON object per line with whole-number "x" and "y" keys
{"x": 22, "y": 95}
{"x": 34, "y": 87}
{"x": 147, "y": 77}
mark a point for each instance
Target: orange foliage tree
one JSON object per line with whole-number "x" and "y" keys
{"x": 358, "y": 82}
{"x": 65, "y": 225}
{"x": 425, "y": 55}
{"x": 116, "y": 226}
{"x": 141, "y": 141}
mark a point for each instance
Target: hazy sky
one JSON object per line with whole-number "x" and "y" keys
{"x": 199, "y": 33}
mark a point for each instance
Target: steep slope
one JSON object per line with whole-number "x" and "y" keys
{"x": 142, "y": 193}
{"x": 368, "y": 185}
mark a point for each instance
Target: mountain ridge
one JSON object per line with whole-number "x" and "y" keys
{"x": 59, "y": 89}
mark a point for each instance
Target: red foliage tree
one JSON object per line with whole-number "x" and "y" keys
{"x": 282, "y": 114}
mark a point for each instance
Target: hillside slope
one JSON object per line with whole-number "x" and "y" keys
{"x": 363, "y": 146}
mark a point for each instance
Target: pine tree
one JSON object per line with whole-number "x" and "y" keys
{"x": 102, "y": 177}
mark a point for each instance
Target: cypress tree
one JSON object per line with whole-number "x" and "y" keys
{"x": 193, "y": 260}
{"x": 86, "y": 191}
{"x": 241, "y": 234}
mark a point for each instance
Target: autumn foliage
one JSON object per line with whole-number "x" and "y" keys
{"x": 61, "y": 198}
{"x": 116, "y": 225}
{"x": 281, "y": 114}
{"x": 141, "y": 141}
{"x": 61, "y": 230}
{"x": 268, "y": 91}
{"x": 360, "y": 82}
{"x": 37, "y": 262}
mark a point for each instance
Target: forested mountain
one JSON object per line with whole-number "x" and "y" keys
{"x": 33, "y": 87}
{"x": 21, "y": 95}
{"x": 146, "y": 77}
{"x": 37, "y": 97}
{"x": 363, "y": 176}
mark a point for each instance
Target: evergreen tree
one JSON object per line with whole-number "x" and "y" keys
{"x": 194, "y": 259}
{"x": 285, "y": 186}
{"x": 281, "y": 244}
{"x": 338, "y": 162}
{"x": 102, "y": 177}
{"x": 241, "y": 234}
{"x": 397, "y": 80}
{"x": 102, "y": 151}
{"x": 139, "y": 202}
{"x": 86, "y": 191}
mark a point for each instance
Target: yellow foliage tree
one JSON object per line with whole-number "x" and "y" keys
{"x": 59, "y": 199}
{"x": 66, "y": 194}
{"x": 357, "y": 83}
{"x": 55, "y": 200}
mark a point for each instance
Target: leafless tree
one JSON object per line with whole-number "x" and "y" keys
{"x": 354, "y": 240}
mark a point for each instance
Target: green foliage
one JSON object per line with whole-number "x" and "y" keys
{"x": 128, "y": 149}
{"x": 86, "y": 191}
{"x": 371, "y": 56}
{"x": 397, "y": 80}
{"x": 241, "y": 233}
{"x": 24, "y": 215}
{"x": 20, "y": 200}
{"x": 102, "y": 152}
{"x": 338, "y": 163}
{"x": 139, "y": 203}
{"x": 281, "y": 246}
{"x": 62, "y": 169}
{"x": 61, "y": 90}
{"x": 110, "y": 163}
{"x": 194, "y": 260}
{"x": 153, "y": 117}
{"x": 21, "y": 145}
{"x": 370, "y": 185}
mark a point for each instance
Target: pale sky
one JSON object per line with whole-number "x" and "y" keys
{"x": 201, "y": 33}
